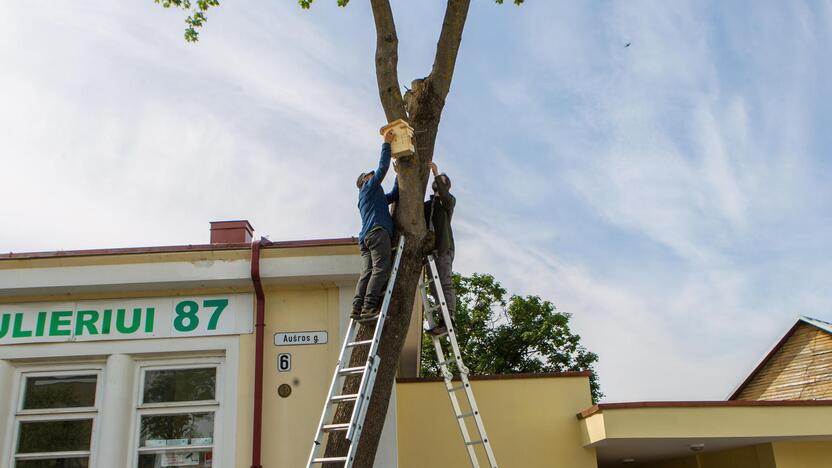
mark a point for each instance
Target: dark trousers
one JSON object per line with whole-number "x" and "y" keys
{"x": 445, "y": 268}
{"x": 376, "y": 259}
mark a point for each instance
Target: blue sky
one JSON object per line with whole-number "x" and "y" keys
{"x": 672, "y": 195}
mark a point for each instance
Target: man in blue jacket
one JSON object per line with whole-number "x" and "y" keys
{"x": 376, "y": 236}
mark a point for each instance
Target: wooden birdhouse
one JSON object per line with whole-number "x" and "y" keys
{"x": 403, "y": 144}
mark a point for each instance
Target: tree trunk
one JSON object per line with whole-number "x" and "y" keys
{"x": 409, "y": 220}
{"x": 422, "y": 105}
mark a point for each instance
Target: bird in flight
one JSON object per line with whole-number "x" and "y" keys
{"x": 627, "y": 44}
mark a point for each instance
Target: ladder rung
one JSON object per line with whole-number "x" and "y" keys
{"x": 329, "y": 460}
{"x": 369, "y": 319}
{"x": 340, "y": 398}
{"x": 352, "y": 370}
{"x": 336, "y": 427}
{"x": 359, "y": 343}
{"x": 457, "y": 388}
{"x": 449, "y": 361}
{"x": 474, "y": 442}
{"x": 466, "y": 415}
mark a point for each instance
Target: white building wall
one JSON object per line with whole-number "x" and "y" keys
{"x": 7, "y": 408}
{"x": 118, "y": 388}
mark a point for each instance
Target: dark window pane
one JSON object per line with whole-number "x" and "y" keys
{"x": 60, "y": 392}
{"x": 54, "y": 436}
{"x": 173, "y": 430}
{"x": 190, "y": 459}
{"x": 175, "y": 385}
{"x": 54, "y": 463}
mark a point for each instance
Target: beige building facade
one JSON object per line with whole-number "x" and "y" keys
{"x": 148, "y": 357}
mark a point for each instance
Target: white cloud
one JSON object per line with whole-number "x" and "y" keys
{"x": 670, "y": 194}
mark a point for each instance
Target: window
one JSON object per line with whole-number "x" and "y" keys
{"x": 55, "y": 419}
{"x": 177, "y": 414}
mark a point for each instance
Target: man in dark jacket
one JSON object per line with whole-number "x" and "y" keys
{"x": 439, "y": 210}
{"x": 375, "y": 237}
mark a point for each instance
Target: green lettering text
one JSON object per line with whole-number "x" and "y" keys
{"x": 60, "y": 319}
{"x": 4, "y": 325}
{"x": 18, "y": 331}
{"x": 121, "y": 324}
{"x": 86, "y": 319}
{"x": 105, "y": 324}
{"x": 186, "y": 319}
{"x": 219, "y": 305}
{"x": 41, "y": 325}
{"x": 148, "y": 324}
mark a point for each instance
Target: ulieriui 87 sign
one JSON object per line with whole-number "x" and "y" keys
{"x": 125, "y": 319}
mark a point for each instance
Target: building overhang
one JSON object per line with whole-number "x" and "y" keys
{"x": 177, "y": 267}
{"x": 650, "y": 431}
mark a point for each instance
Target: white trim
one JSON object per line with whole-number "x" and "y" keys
{"x": 57, "y": 414}
{"x": 101, "y": 349}
{"x": 188, "y": 448}
{"x": 177, "y": 275}
{"x": 89, "y": 356}
{"x": 47, "y": 455}
{"x": 216, "y": 407}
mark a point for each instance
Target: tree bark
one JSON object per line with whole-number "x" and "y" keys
{"x": 422, "y": 105}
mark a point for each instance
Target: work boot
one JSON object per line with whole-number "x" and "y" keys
{"x": 356, "y": 312}
{"x": 369, "y": 312}
{"x": 439, "y": 329}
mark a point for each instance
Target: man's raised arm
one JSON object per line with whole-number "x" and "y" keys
{"x": 384, "y": 160}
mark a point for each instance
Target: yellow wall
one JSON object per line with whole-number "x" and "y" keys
{"x": 803, "y": 454}
{"x": 752, "y": 456}
{"x": 686, "y": 462}
{"x": 744, "y": 457}
{"x": 704, "y": 422}
{"x": 775, "y": 455}
{"x": 245, "y": 401}
{"x": 531, "y": 423}
{"x": 289, "y": 423}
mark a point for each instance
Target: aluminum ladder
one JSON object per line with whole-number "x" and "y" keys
{"x": 433, "y": 279}
{"x": 368, "y": 374}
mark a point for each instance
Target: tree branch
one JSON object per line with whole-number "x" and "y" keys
{"x": 387, "y": 59}
{"x": 448, "y": 46}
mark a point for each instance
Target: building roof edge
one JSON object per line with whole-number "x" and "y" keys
{"x": 175, "y": 249}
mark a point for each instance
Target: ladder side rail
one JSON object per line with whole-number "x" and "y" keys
{"x": 353, "y": 449}
{"x": 434, "y": 272}
{"x": 426, "y": 309}
{"x": 447, "y": 378}
{"x": 356, "y": 407}
{"x": 458, "y": 356}
{"x": 469, "y": 392}
{"x": 317, "y": 443}
{"x": 386, "y": 302}
{"x": 357, "y": 416}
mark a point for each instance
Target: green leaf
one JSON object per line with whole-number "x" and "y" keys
{"x": 521, "y": 334}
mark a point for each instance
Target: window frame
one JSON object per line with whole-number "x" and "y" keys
{"x": 214, "y": 406}
{"x": 22, "y": 415}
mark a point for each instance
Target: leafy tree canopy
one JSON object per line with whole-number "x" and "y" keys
{"x": 500, "y": 335}
{"x": 197, "y": 8}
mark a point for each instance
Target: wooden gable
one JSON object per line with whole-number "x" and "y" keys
{"x": 798, "y": 368}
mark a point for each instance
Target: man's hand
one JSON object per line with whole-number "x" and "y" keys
{"x": 389, "y": 136}
{"x": 433, "y": 168}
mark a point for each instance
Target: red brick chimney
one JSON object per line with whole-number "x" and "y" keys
{"x": 231, "y": 232}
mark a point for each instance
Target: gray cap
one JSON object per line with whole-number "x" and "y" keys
{"x": 360, "y": 181}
